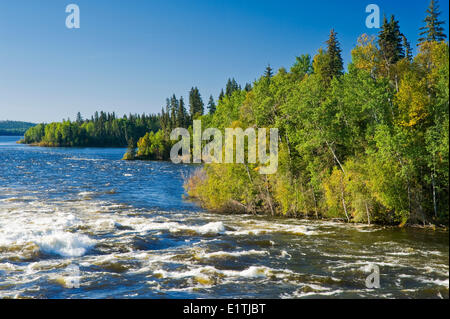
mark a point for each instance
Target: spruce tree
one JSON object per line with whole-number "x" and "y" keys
{"x": 196, "y": 106}
{"x": 174, "y": 120}
{"x": 269, "y": 72}
{"x": 407, "y": 47}
{"x": 228, "y": 88}
{"x": 335, "y": 65}
{"x": 221, "y": 95}
{"x": 390, "y": 41}
{"x": 211, "y": 105}
{"x": 433, "y": 30}
{"x": 181, "y": 114}
{"x": 231, "y": 87}
{"x": 79, "y": 118}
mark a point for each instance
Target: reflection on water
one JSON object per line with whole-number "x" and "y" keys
{"x": 128, "y": 232}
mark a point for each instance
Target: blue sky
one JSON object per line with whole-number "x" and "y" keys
{"x": 129, "y": 55}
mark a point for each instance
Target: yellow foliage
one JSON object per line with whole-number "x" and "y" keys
{"x": 412, "y": 100}
{"x": 366, "y": 56}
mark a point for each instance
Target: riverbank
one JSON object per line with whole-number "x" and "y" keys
{"x": 197, "y": 185}
{"x": 236, "y": 208}
{"x": 235, "y": 188}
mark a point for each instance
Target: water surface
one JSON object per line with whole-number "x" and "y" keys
{"x": 123, "y": 230}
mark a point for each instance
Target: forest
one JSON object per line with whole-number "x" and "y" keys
{"x": 101, "y": 130}
{"x": 14, "y": 128}
{"x": 368, "y": 143}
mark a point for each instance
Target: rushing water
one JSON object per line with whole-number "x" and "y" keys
{"x": 123, "y": 230}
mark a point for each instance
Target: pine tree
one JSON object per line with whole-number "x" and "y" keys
{"x": 248, "y": 87}
{"x": 211, "y": 105}
{"x": 174, "y": 105}
{"x": 231, "y": 87}
{"x": 221, "y": 95}
{"x": 196, "y": 106}
{"x": 79, "y": 118}
{"x": 433, "y": 30}
{"x": 269, "y": 72}
{"x": 407, "y": 47}
{"x": 182, "y": 117}
{"x": 335, "y": 65}
{"x": 228, "y": 88}
{"x": 163, "y": 119}
{"x": 390, "y": 41}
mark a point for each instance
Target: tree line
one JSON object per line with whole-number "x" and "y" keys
{"x": 107, "y": 130}
{"x": 156, "y": 145}
{"x": 14, "y": 128}
{"x": 101, "y": 130}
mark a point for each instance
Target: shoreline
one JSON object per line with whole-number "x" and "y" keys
{"x": 267, "y": 216}
{"x": 241, "y": 211}
{"x": 59, "y": 146}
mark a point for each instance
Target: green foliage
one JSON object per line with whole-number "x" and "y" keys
{"x": 14, "y": 127}
{"x": 335, "y": 65}
{"x": 211, "y": 105}
{"x": 196, "y": 105}
{"x": 390, "y": 41}
{"x": 154, "y": 146}
{"x": 302, "y": 66}
{"x": 102, "y": 130}
{"x": 368, "y": 145}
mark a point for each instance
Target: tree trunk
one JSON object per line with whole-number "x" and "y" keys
{"x": 335, "y": 157}
{"x": 248, "y": 173}
{"x": 368, "y": 214}
{"x": 434, "y": 193}
{"x": 269, "y": 198}
{"x": 343, "y": 202}
{"x": 315, "y": 204}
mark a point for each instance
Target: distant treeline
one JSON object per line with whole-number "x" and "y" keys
{"x": 101, "y": 130}
{"x": 107, "y": 130}
{"x": 14, "y": 128}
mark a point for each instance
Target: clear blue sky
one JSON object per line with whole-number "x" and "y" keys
{"x": 129, "y": 55}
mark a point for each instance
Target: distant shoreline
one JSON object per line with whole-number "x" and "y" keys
{"x": 59, "y": 146}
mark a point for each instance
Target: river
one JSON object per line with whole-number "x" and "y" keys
{"x": 81, "y": 223}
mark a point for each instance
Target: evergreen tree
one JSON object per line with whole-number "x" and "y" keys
{"x": 269, "y": 72}
{"x": 335, "y": 65}
{"x": 182, "y": 117}
{"x": 407, "y": 47}
{"x": 196, "y": 106}
{"x": 231, "y": 86}
{"x": 173, "y": 112}
{"x": 433, "y": 30}
{"x": 79, "y": 118}
{"x": 390, "y": 41}
{"x": 221, "y": 95}
{"x": 248, "y": 87}
{"x": 211, "y": 105}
